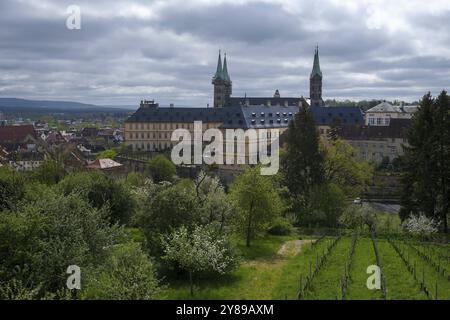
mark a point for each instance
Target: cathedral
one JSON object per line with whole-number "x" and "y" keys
{"x": 223, "y": 89}
{"x": 150, "y": 127}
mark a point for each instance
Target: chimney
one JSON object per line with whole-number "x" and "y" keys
{"x": 149, "y": 104}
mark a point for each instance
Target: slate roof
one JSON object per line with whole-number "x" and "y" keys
{"x": 326, "y": 116}
{"x": 260, "y": 117}
{"x": 258, "y": 101}
{"x": 386, "y": 107}
{"x": 161, "y": 114}
{"x": 255, "y": 116}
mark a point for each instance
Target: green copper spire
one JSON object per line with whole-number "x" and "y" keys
{"x": 225, "y": 74}
{"x": 316, "y": 67}
{"x": 219, "y": 71}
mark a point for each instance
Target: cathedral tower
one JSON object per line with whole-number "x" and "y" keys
{"x": 315, "y": 82}
{"x": 222, "y": 84}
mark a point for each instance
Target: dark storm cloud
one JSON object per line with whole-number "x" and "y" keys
{"x": 167, "y": 50}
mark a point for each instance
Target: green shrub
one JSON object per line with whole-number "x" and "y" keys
{"x": 281, "y": 227}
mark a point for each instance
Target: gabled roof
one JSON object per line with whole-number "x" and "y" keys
{"x": 386, "y": 107}
{"x": 383, "y": 107}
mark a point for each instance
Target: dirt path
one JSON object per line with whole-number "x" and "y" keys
{"x": 293, "y": 247}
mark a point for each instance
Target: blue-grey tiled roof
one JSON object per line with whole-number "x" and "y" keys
{"x": 261, "y": 116}
{"x": 161, "y": 114}
{"x": 257, "y": 101}
{"x": 346, "y": 115}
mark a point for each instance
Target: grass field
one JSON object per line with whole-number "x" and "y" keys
{"x": 268, "y": 273}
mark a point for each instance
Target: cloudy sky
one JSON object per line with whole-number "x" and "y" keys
{"x": 167, "y": 50}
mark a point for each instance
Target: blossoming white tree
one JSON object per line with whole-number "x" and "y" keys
{"x": 420, "y": 224}
{"x": 199, "y": 250}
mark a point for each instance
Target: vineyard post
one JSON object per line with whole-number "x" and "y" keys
{"x": 310, "y": 271}
{"x": 423, "y": 277}
{"x": 436, "y": 291}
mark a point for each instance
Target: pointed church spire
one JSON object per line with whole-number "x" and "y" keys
{"x": 225, "y": 74}
{"x": 219, "y": 71}
{"x": 316, "y": 68}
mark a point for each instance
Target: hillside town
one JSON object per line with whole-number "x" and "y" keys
{"x": 377, "y": 134}
{"x": 224, "y": 159}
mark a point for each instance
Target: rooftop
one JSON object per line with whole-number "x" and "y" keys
{"x": 16, "y": 134}
{"x": 396, "y": 129}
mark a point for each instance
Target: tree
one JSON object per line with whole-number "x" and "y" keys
{"x": 126, "y": 274}
{"x": 344, "y": 169}
{"x": 199, "y": 250}
{"x": 162, "y": 169}
{"x": 441, "y": 140}
{"x": 420, "y": 225}
{"x": 303, "y": 161}
{"x": 107, "y": 154}
{"x": 168, "y": 209}
{"x": 12, "y": 188}
{"x": 49, "y": 173}
{"x": 327, "y": 202}
{"x": 100, "y": 191}
{"x": 357, "y": 217}
{"x": 44, "y": 237}
{"x": 426, "y": 182}
{"x": 205, "y": 184}
{"x": 215, "y": 206}
{"x": 257, "y": 203}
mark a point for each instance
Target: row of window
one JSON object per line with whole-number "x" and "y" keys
{"x": 163, "y": 126}
{"x": 151, "y": 146}
{"x": 379, "y": 121}
{"x": 147, "y": 135}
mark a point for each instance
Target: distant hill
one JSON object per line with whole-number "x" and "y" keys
{"x": 64, "y": 106}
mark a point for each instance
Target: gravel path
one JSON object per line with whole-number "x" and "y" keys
{"x": 293, "y": 247}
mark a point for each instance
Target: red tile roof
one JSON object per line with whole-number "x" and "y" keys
{"x": 16, "y": 134}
